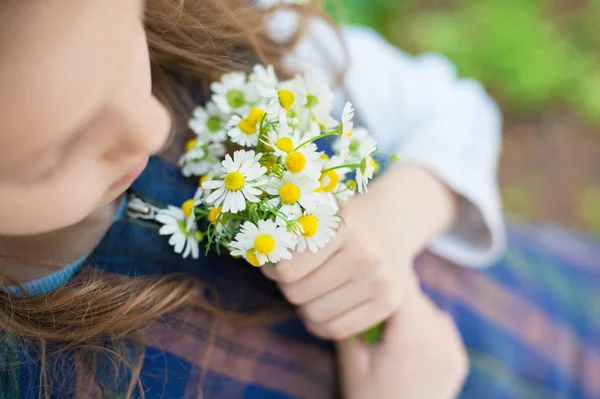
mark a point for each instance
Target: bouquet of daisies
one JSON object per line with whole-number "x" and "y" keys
{"x": 265, "y": 189}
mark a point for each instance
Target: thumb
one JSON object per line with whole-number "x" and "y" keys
{"x": 354, "y": 356}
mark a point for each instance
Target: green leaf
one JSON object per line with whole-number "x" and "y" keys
{"x": 373, "y": 334}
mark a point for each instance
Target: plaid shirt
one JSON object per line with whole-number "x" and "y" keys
{"x": 531, "y": 323}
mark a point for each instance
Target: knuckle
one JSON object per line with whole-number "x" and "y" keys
{"x": 335, "y": 332}
{"x": 285, "y": 274}
{"x": 317, "y": 330}
{"x": 382, "y": 277}
{"x": 293, "y": 294}
{"x": 312, "y": 314}
{"x": 390, "y": 300}
{"x": 370, "y": 258}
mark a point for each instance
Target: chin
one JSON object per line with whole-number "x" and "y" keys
{"x": 111, "y": 196}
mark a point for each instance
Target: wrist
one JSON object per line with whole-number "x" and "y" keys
{"x": 421, "y": 205}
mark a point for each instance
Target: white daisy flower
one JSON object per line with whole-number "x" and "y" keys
{"x": 242, "y": 175}
{"x": 245, "y": 131}
{"x": 292, "y": 191}
{"x": 282, "y": 142}
{"x": 305, "y": 160}
{"x": 264, "y": 77}
{"x": 360, "y": 143}
{"x": 262, "y": 243}
{"x": 346, "y": 130}
{"x": 345, "y": 190}
{"x": 367, "y": 167}
{"x": 280, "y": 101}
{"x": 201, "y": 157}
{"x": 331, "y": 180}
{"x": 200, "y": 192}
{"x": 209, "y": 122}
{"x": 315, "y": 98}
{"x": 342, "y": 192}
{"x": 176, "y": 223}
{"x": 317, "y": 227}
{"x": 232, "y": 93}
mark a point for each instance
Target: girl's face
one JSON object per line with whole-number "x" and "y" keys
{"x": 78, "y": 120}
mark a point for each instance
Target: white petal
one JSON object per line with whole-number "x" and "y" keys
{"x": 187, "y": 249}
{"x": 178, "y": 242}
{"x": 251, "y": 197}
{"x": 227, "y": 204}
{"x": 166, "y": 218}
{"x": 256, "y": 172}
{"x": 195, "y": 249}
{"x": 212, "y": 184}
{"x": 222, "y": 103}
{"x": 216, "y": 197}
{"x": 168, "y": 229}
{"x": 240, "y": 201}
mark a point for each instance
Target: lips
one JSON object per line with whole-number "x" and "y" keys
{"x": 132, "y": 174}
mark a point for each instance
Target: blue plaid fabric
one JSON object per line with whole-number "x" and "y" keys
{"x": 531, "y": 322}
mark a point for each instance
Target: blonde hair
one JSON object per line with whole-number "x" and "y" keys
{"x": 192, "y": 41}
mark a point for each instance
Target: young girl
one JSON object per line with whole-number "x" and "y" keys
{"x": 95, "y": 304}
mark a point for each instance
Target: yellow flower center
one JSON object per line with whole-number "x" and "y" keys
{"x": 310, "y": 225}
{"x": 247, "y": 126}
{"x": 214, "y": 213}
{"x": 351, "y": 185}
{"x": 349, "y": 134}
{"x": 285, "y": 144}
{"x": 324, "y": 157}
{"x": 264, "y": 244}
{"x": 234, "y": 181}
{"x": 252, "y": 259}
{"x": 256, "y": 115}
{"x": 188, "y": 208}
{"x": 289, "y": 193}
{"x": 295, "y": 161}
{"x": 286, "y": 98}
{"x": 190, "y": 144}
{"x": 203, "y": 180}
{"x": 329, "y": 180}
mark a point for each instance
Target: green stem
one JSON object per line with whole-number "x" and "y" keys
{"x": 350, "y": 165}
{"x": 261, "y": 132}
{"x": 384, "y": 154}
{"x": 315, "y": 139}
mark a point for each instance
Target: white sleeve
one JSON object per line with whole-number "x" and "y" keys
{"x": 418, "y": 108}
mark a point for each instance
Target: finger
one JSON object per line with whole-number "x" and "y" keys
{"x": 354, "y": 359}
{"x": 339, "y": 300}
{"x": 338, "y": 270}
{"x": 303, "y": 263}
{"x": 392, "y": 331}
{"x": 331, "y": 275}
{"x": 355, "y": 321}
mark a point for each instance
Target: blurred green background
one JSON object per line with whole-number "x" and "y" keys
{"x": 540, "y": 59}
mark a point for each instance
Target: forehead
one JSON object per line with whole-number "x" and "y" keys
{"x": 59, "y": 59}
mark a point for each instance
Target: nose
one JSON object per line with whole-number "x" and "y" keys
{"x": 143, "y": 128}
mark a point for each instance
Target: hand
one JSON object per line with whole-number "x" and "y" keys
{"x": 358, "y": 280}
{"x": 420, "y": 356}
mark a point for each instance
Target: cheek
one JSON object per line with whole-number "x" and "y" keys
{"x": 48, "y": 207}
